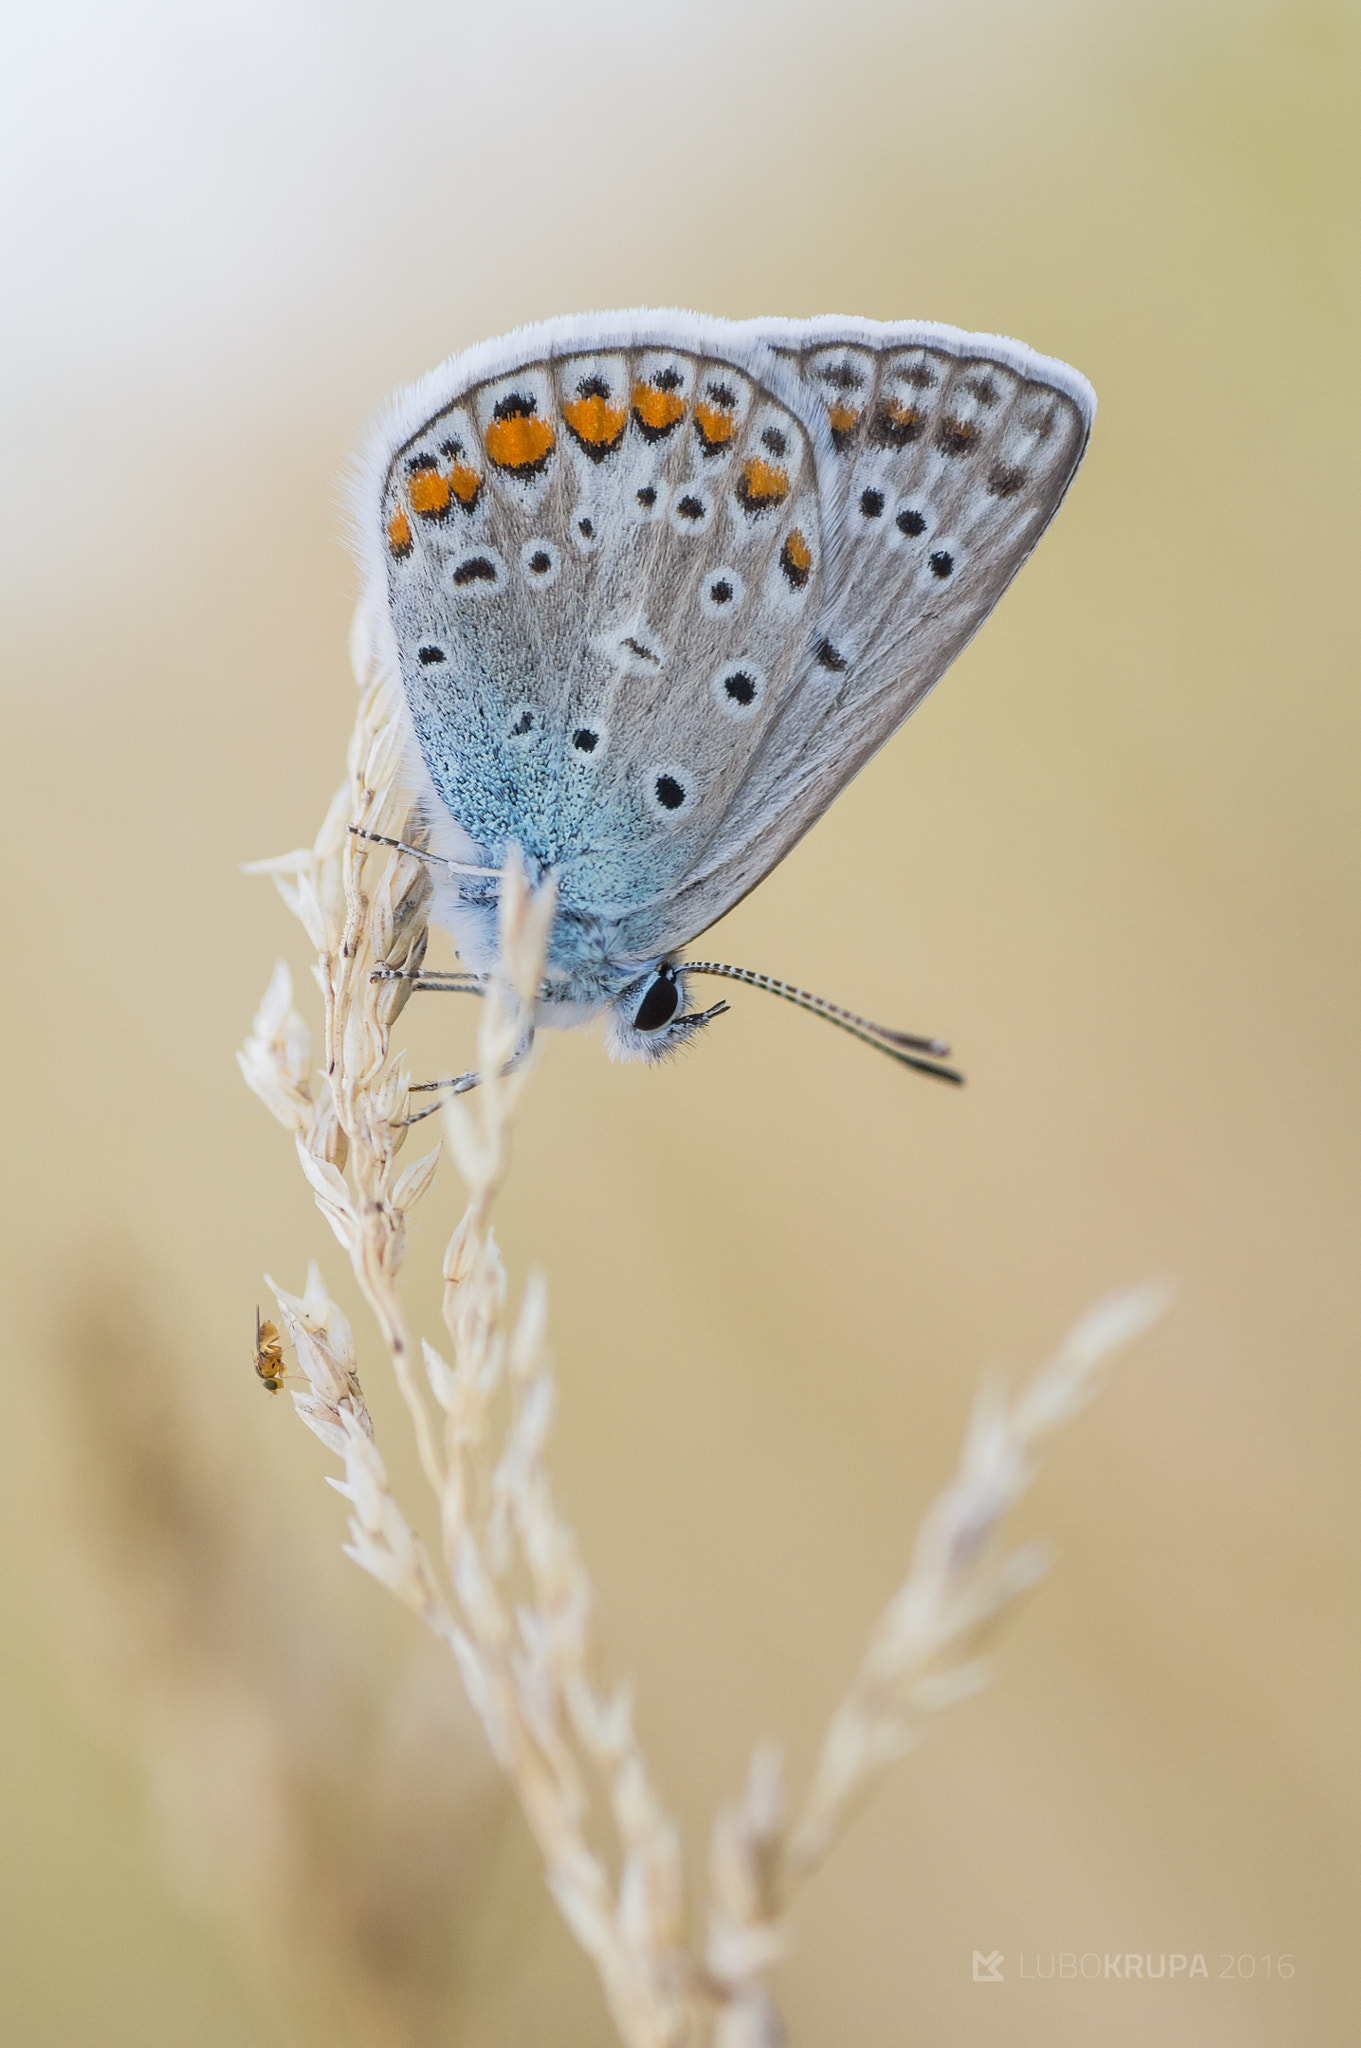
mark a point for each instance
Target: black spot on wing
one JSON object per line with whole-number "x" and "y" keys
{"x": 476, "y": 570}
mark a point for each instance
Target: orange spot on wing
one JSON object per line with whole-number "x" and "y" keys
{"x": 597, "y": 424}
{"x": 521, "y": 442}
{"x": 796, "y": 558}
{"x": 761, "y": 485}
{"x": 895, "y": 424}
{"x": 843, "y": 420}
{"x": 429, "y": 493}
{"x": 716, "y": 425}
{"x": 465, "y": 483}
{"x": 657, "y": 411}
{"x": 399, "y": 534}
{"x": 956, "y": 437}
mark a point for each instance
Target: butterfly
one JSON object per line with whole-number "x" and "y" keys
{"x": 649, "y": 589}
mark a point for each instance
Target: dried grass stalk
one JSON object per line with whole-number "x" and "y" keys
{"x": 510, "y": 1595}
{"x": 331, "y": 1811}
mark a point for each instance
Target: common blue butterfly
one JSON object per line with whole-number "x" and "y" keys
{"x": 652, "y": 587}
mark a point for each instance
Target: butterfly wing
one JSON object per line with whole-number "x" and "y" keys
{"x": 595, "y": 559}
{"x": 943, "y": 457}
{"x": 656, "y": 586}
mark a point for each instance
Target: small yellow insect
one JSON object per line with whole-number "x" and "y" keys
{"x": 269, "y": 1355}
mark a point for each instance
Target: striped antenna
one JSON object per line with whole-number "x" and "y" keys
{"x": 902, "y": 1046}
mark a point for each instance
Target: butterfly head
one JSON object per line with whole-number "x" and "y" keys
{"x": 650, "y": 1021}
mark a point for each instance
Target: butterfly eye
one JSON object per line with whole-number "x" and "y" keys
{"x": 660, "y": 1003}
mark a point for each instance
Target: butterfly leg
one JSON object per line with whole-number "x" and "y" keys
{"x": 460, "y": 1084}
{"x": 428, "y": 981}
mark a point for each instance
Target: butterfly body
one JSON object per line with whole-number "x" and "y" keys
{"x": 652, "y": 587}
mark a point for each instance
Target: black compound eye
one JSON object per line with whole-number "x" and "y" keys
{"x": 659, "y": 1005}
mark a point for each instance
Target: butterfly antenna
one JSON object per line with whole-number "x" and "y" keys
{"x": 902, "y": 1046}
{"x": 439, "y": 860}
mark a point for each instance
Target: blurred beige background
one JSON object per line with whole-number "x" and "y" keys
{"x": 1113, "y": 859}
